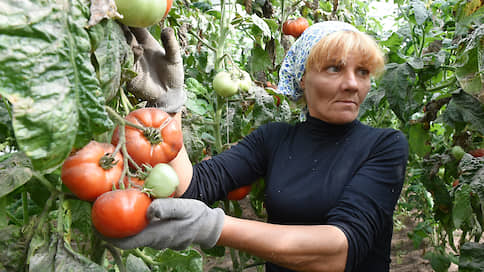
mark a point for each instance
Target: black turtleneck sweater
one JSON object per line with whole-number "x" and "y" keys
{"x": 349, "y": 176}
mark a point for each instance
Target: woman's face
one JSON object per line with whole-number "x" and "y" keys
{"x": 335, "y": 93}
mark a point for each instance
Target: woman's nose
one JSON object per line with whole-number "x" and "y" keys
{"x": 350, "y": 82}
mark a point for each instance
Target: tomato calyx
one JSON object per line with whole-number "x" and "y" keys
{"x": 153, "y": 135}
{"x": 107, "y": 161}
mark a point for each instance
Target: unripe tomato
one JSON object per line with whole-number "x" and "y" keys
{"x": 224, "y": 85}
{"x": 245, "y": 82}
{"x": 162, "y": 181}
{"x": 90, "y": 171}
{"x": 120, "y": 213}
{"x": 160, "y": 142}
{"x": 458, "y": 152}
{"x": 295, "y": 27}
{"x": 142, "y": 13}
{"x": 239, "y": 193}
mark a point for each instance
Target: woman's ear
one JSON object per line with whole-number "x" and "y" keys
{"x": 302, "y": 82}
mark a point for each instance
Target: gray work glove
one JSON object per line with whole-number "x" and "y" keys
{"x": 176, "y": 223}
{"x": 159, "y": 79}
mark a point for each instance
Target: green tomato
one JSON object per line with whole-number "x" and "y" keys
{"x": 245, "y": 82}
{"x": 457, "y": 152}
{"x": 142, "y": 13}
{"x": 162, "y": 181}
{"x": 224, "y": 85}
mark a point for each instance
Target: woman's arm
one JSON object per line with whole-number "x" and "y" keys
{"x": 182, "y": 165}
{"x": 302, "y": 248}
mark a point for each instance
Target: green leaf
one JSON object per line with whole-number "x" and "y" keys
{"x": 259, "y": 60}
{"x": 420, "y": 11}
{"x": 470, "y": 62}
{"x": 463, "y": 109}
{"x": 399, "y": 90}
{"x": 418, "y": 140}
{"x": 47, "y": 75}
{"x": 14, "y": 172}
{"x": 135, "y": 264}
{"x": 13, "y": 248}
{"x": 59, "y": 256}
{"x": 439, "y": 260}
{"x": 471, "y": 257}
{"x": 180, "y": 261}
{"x": 262, "y": 25}
{"x": 113, "y": 56}
{"x": 472, "y": 171}
{"x": 462, "y": 209}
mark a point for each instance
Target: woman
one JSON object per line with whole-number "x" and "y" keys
{"x": 331, "y": 182}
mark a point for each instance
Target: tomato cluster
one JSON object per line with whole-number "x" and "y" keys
{"x": 152, "y": 138}
{"x": 295, "y": 27}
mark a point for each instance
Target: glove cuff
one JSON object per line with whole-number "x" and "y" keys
{"x": 208, "y": 236}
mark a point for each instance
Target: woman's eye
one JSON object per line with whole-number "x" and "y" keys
{"x": 333, "y": 69}
{"x": 364, "y": 72}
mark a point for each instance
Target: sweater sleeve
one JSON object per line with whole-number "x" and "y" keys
{"x": 241, "y": 165}
{"x": 367, "y": 203}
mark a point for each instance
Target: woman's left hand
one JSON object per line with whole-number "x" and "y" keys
{"x": 176, "y": 223}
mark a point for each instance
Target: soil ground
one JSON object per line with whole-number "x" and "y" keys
{"x": 405, "y": 258}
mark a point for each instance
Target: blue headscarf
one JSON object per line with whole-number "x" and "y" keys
{"x": 294, "y": 63}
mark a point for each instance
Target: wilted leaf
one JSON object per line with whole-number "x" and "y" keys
{"x": 14, "y": 172}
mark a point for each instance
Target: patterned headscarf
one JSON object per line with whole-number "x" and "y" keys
{"x": 294, "y": 63}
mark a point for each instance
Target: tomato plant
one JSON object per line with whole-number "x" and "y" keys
{"x": 142, "y": 13}
{"x": 120, "y": 213}
{"x": 224, "y": 84}
{"x": 92, "y": 171}
{"x": 157, "y": 138}
{"x": 295, "y": 27}
{"x": 162, "y": 181}
{"x": 239, "y": 193}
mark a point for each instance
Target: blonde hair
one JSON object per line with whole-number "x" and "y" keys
{"x": 335, "y": 48}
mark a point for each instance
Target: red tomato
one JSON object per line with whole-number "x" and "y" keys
{"x": 295, "y": 27}
{"x": 477, "y": 152}
{"x": 90, "y": 171}
{"x": 239, "y": 193}
{"x": 120, "y": 213}
{"x": 161, "y": 146}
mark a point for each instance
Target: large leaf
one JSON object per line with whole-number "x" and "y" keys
{"x": 47, "y": 75}
{"x": 471, "y": 257}
{"x": 399, "y": 90}
{"x": 419, "y": 140}
{"x": 180, "y": 261}
{"x": 463, "y": 109}
{"x": 470, "y": 62}
{"x": 59, "y": 256}
{"x": 113, "y": 56}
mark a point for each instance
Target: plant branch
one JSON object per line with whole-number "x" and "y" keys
{"x": 117, "y": 257}
{"x": 200, "y": 39}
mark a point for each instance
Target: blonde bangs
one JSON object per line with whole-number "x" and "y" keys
{"x": 336, "y": 47}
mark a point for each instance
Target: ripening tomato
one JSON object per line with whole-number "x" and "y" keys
{"x": 120, "y": 213}
{"x": 159, "y": 142}
{"x": 142, "y": 13}
{"x": 91, "y": 171}
{"x": 239, "y": 193}
{"x": 295, "y": 27}
{"x": 476, "y": 153}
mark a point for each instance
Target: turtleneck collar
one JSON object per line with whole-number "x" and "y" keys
{"x": 325, "y": 129}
